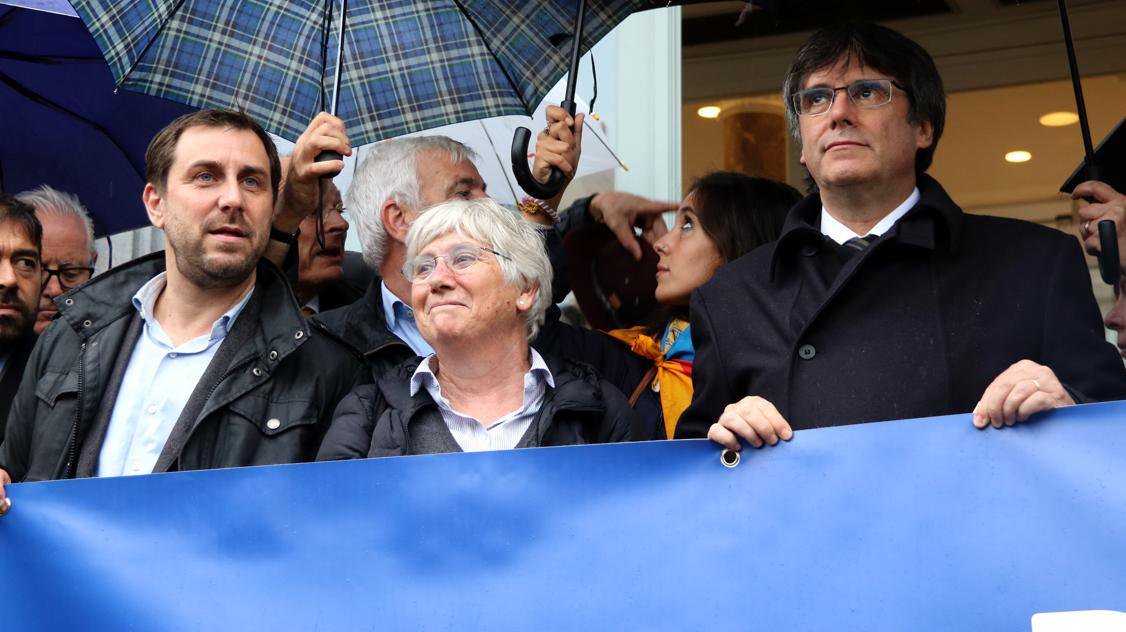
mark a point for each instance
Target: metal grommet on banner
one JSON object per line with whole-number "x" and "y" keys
{"x": 5, "y": 506}
{"x": 730, "y": 458}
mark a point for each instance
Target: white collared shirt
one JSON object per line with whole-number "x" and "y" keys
{"x": 504, "y": 433}
{"x": 840, "y": 233}
{"x": 400, "y": 321}
{"x": 156, "y": 386}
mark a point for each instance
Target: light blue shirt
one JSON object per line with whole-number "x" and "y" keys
{"x": 502, "y": 434}
{"x": 840, "y": 233}
{"x": 400, "y": 321}
{"x": 157, "y": 384}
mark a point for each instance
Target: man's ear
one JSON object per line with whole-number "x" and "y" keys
{"x": 154, "y": 205}
{"x": 924, "y": 136}
{"x": 395, "y": 220}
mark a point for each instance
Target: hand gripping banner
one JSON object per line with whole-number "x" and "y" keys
{"x": 909, "y": 525}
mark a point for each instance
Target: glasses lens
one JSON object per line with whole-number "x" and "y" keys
{"x": 462, "y": 258}
{"x": 870, "y": 93}
{"x": 423, "y": 268}
{"x": 814, "y": 100}
{"x": 73, "y": 277}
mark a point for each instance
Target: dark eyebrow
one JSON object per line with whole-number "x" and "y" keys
{"x": 26, "y": 252}
{"x": 469, "y": 182}
{"x": 252, "y": 171}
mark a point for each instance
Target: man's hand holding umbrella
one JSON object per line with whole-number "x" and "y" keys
{"x": 1106, "y": 204}
{"x": 301, "y": 182}
{"x": 559, "y": 145}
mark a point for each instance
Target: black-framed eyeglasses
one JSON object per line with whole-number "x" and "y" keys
{"x": 459, "y": 258}
{"x": 69, "y": 277}
{"x": 864, "y": 93}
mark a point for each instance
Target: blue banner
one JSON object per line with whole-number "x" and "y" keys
{"x": 908, "y": 525}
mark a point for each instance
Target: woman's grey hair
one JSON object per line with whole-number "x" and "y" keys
{"x": 50, "y": 201}
{"x": 390, "y": 172}
{"x": 487, "y": 222}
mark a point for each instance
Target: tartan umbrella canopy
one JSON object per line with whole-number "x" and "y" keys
{"x": 406, "y": 65}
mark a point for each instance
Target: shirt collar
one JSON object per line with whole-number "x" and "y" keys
{"x": 393, "y": 308}
{"x": 144, "y": 301}
{"x": 840, "y": 233}
{"x": 313, "y": 304}
{"x": 424, "y": 376}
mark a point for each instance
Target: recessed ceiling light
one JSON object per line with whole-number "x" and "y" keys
{"x": 1018, "y": 156}
{"x": 709, "y": 111}
{"x": 1059, "y": 119}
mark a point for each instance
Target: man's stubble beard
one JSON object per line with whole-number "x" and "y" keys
{"x": 208, "y": 272}
{"x": 14, "y": 328}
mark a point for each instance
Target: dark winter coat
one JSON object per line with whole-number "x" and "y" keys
{"x": 918, "y": 324}
{"x": 272, "y": 404}
{"x": 375, "y": 419}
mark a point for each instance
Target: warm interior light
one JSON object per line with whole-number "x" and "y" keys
{"x": 1059, "y": 119}
{"x": 1018, "y": 156}
{"x": 709, "y": 111}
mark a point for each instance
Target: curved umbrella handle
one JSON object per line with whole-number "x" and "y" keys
{"x": 555, "y": 182}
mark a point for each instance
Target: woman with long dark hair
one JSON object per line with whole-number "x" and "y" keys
{"x": 723, "y": 216}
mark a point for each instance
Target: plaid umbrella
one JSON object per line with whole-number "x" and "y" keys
{"x": 408, "y": 65}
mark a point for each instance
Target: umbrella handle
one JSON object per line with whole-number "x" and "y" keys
{"x": 1109, "y": 266}
{"x": 555, "y": 182}
{"x": 325, "y": 156}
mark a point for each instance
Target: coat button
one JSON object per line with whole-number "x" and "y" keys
{"x": 69, "y": 301}
{"x": 86, "y": 323}
{"x": 299, "y": 335}
{"x": 273, "y": 424}
{"x": 806, "y": 352}
{"x": 256, "y": 371}
{"x": 273, "y": 355}
{"x": 808, "y": 250}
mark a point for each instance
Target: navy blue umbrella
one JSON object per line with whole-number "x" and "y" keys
{"x": 62, "y": 124}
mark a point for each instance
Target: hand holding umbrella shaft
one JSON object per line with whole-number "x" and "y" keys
{"x": 1106, "y": 204}
{"x": 298, "y": 197}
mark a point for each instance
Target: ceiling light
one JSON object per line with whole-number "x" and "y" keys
{"x": 1018, "y": 156}
{"x": 709, "y": 111}
{"x": 1059, "y": 119}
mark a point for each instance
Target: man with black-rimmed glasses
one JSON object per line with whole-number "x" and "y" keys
{"x": 882, "y": 299}
{"x": 68, "y": 246}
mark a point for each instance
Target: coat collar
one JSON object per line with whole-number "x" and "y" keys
{"x": 935, "y": 216}
{"x": 362, "y": 323}
{"x": 108, "y": 297}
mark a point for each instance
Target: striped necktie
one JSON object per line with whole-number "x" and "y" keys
{"x": 860, "y": 243}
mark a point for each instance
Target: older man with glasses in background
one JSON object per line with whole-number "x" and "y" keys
{"x": 68, "y": 246}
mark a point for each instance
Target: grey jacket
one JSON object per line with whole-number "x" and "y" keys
{"x": 384, "y": 420}
{"x": 270, "y": 402}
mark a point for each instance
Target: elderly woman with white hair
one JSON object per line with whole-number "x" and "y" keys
{"x": 479, "y": 289}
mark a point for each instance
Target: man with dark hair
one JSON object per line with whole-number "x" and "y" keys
{"x": 192, "y": 358}
{"x": 20, "y": 280}
{"x": 882, "y": 299}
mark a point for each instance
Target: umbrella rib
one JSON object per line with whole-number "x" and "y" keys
{"x": 44, "y": 101}
{"x": 484, "y": 42}
{"x": 48, "y": 59}
{"x": 148, "y": 45}
{"x": 489, "y": 136}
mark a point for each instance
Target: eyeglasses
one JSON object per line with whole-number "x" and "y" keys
{"x": 458, "y": 259}
{"x": 69, "y": 277}
{"x": 866, "y": 94}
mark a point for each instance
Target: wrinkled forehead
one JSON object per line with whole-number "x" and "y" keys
{"x": 841, "y": 71}
{"x": 448, "y": 241}
{"x": 14, "y": 236}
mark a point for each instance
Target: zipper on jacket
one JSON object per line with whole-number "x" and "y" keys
{"x": 71, "y": 469}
